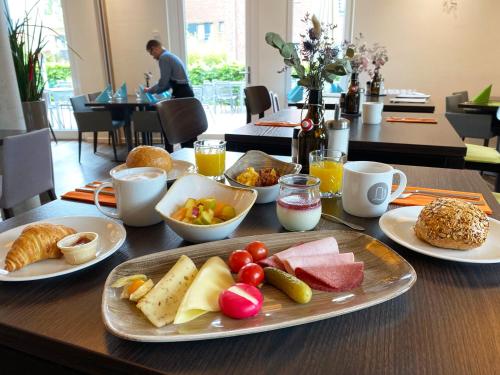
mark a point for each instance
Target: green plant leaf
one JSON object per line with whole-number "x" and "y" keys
{"x": 339, "y": 68}
{"x": 288, "y": 50}
{"x": 306, "y": 82}
{"x": 349, "y": 52}
{"x": 274, "y": 40}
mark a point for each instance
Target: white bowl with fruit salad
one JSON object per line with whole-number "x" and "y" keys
{"x": 200, "y": 209}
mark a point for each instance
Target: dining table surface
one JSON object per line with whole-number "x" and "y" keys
{"x": 434, "y": 145}
{"x": 389, "y": 103}
{"x": 447, "y": 323}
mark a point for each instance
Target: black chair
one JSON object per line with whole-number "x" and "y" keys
{"x": 182, "y": 120}
{"x": 257, "y": 101}
{"x": 88, "y": 120}
{"x": 146, "y": 123}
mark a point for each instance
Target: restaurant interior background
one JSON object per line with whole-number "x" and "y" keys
{"x": 435, "y": 47}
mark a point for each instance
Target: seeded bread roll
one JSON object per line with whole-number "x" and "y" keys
{"x": 149, "y": 156}
{"x": 452, "y": 224}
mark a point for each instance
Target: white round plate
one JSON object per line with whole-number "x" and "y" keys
{"x": 179, "y": 168}
{"x": 111, "y": 237}
{"x": 398, "y": 225}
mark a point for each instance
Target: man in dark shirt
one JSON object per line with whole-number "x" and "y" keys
{"x": 172, "y": 72}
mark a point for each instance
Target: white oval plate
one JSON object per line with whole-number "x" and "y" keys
{"x": 111, "y": 237}
{"x": 398, "y": 225}
{"x": 179, "y": 168}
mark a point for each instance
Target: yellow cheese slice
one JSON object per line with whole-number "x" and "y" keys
{"x": 203, "y": 294}
{"x": 161, "y": 303}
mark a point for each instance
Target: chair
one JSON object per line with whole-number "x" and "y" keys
{"x": 88, "y": 120}
{"x": 183, "y": 120}
{"x": 93, "y": 96}
{"x": 27, "y": 169}
{"x": 463, "y": 94}
{"x": 257, "y": 101}
{"x": 468, "y": 125}
{"x": 147, "y": 123}
{"x": 225, "y": 94}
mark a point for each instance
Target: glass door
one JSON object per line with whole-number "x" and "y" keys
{"x": 215, "y": 42}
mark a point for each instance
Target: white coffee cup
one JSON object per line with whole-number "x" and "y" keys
{"x": 137, "y": 191}
{"x": 367, "y": 187}
{"x": 372, "y": 113}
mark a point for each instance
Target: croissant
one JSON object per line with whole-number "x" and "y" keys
{"x": 36, "y": 242}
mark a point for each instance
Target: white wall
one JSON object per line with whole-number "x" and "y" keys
{"x": 82, "y": 34}
{"x": 432, "y": 50}
{"x": 131, "y": 24}
{"x": 266, "y": 61}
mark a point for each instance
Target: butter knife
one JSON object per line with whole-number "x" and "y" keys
{"x": 443, "y": 194}
{"x": 336, "y": 219}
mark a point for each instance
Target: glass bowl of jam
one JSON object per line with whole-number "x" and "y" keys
{"x": 80, "y": 247}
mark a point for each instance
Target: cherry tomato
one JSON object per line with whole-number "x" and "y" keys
{"x": 251, "y": 274}
{"x": 258, "y": 250}
{"x": 238, "y": 259}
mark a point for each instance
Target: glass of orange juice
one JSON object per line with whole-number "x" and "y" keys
{"x": 210, "y": 156}
{"x": 328, "y": 166}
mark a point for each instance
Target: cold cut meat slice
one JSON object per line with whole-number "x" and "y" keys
{"x": 271, "y": 261}
{"x": 337, "y": 278}
{"x": 293, "y": 262}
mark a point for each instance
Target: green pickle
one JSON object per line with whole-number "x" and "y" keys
{"x": 294, "y": 288}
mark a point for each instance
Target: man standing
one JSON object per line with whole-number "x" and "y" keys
{"x": 172, "y": 72}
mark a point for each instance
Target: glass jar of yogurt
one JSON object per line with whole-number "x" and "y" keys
{"x": 299, "y": 202}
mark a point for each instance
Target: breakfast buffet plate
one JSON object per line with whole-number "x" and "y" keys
{"x": 179, "y": 168}
{"x": 386, "y": 276}
{"x": 111, "y": 236}
{"x": 398, "y": 225}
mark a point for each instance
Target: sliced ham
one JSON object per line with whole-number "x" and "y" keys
{"x": 327, "y": 260}
{"x": 335, "y": 278}
{"x": 327, "y": 245}
{"x": 271, "y": 261}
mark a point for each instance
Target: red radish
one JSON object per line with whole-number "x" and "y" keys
{"x": 240, "y": 301}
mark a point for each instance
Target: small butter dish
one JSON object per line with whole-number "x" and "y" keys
{"x": 80, "y": 247}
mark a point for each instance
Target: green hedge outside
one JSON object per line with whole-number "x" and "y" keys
{"x": 57, "y": 72}
{"x": 198, "y": 73}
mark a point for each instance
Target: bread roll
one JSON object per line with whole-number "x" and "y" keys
{"x": 149, "y": 156}
{"x": 452, "y": 224}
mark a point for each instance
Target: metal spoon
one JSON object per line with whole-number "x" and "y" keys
{"x": 341, "y": 221}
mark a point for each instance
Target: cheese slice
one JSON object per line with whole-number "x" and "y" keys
{"x": 161, "y": 303}
{"x": 203, "y": 294}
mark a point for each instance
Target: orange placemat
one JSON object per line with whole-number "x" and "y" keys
{"x": 421, "y": 200}
{"x": 81, "y": 195}
{"x": 284, "y": 124}
{"x": 412, "y": 120}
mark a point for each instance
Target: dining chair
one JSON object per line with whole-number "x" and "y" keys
{"x": 274, "y": 101}
{"x": 93, "y": 96}
{"x": 27, "y": 169}
{"x": 146, "y": 123}
{"x": 464, "y": 95}
{"x": 88, "y": 120}
{"x": 257, "y": 101}
{"x": 183, "y": 120}
{"x": 468, "y": 125}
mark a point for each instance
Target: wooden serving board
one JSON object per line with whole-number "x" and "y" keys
{"x": 387, "y": 275}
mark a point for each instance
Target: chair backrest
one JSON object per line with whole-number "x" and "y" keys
{"x": 257, "y": 100}
{"x": 93, "y": 96}
{"x": 463, "y": 94}
{"x": 182, "y": 119}
{"x": 78, "y": 104}
{"x": 27, "y": 167}
{"x": 275, "y": 101}
{"x": 146, "y": 121}
{"x": 452, "y": 103}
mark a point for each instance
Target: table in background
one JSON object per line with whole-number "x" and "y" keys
{"x": 427, "y": 107}
{"x": 125, "y": 107}
{"x": 444, "y": 324}
{"x": 434, "y": 145}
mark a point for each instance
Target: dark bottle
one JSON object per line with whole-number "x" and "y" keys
{"x": 352, "y": 98}
{"x": 312, "y": 135}
{"x": 376, "y": 85}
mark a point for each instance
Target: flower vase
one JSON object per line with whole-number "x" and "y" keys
{"x": 376, "y": 85}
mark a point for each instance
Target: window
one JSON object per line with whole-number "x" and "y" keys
{"x": 221, "y": 27}
{"x": 208, "y": 29}
{"x": 192, "y": 29}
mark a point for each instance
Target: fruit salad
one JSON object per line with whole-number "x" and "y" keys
{"x": 204, "y": 211}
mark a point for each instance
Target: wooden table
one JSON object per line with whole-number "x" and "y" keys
{"x": 446, "y": 324}
{"x": 435, "y": 145}
{"x": 125, "y": 108}
{"x": 427, "y": 107}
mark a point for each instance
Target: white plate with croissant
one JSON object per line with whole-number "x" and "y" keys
{"x": 29, "y": 252}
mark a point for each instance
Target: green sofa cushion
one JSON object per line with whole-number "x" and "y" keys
{"x": 482, "y": 154}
